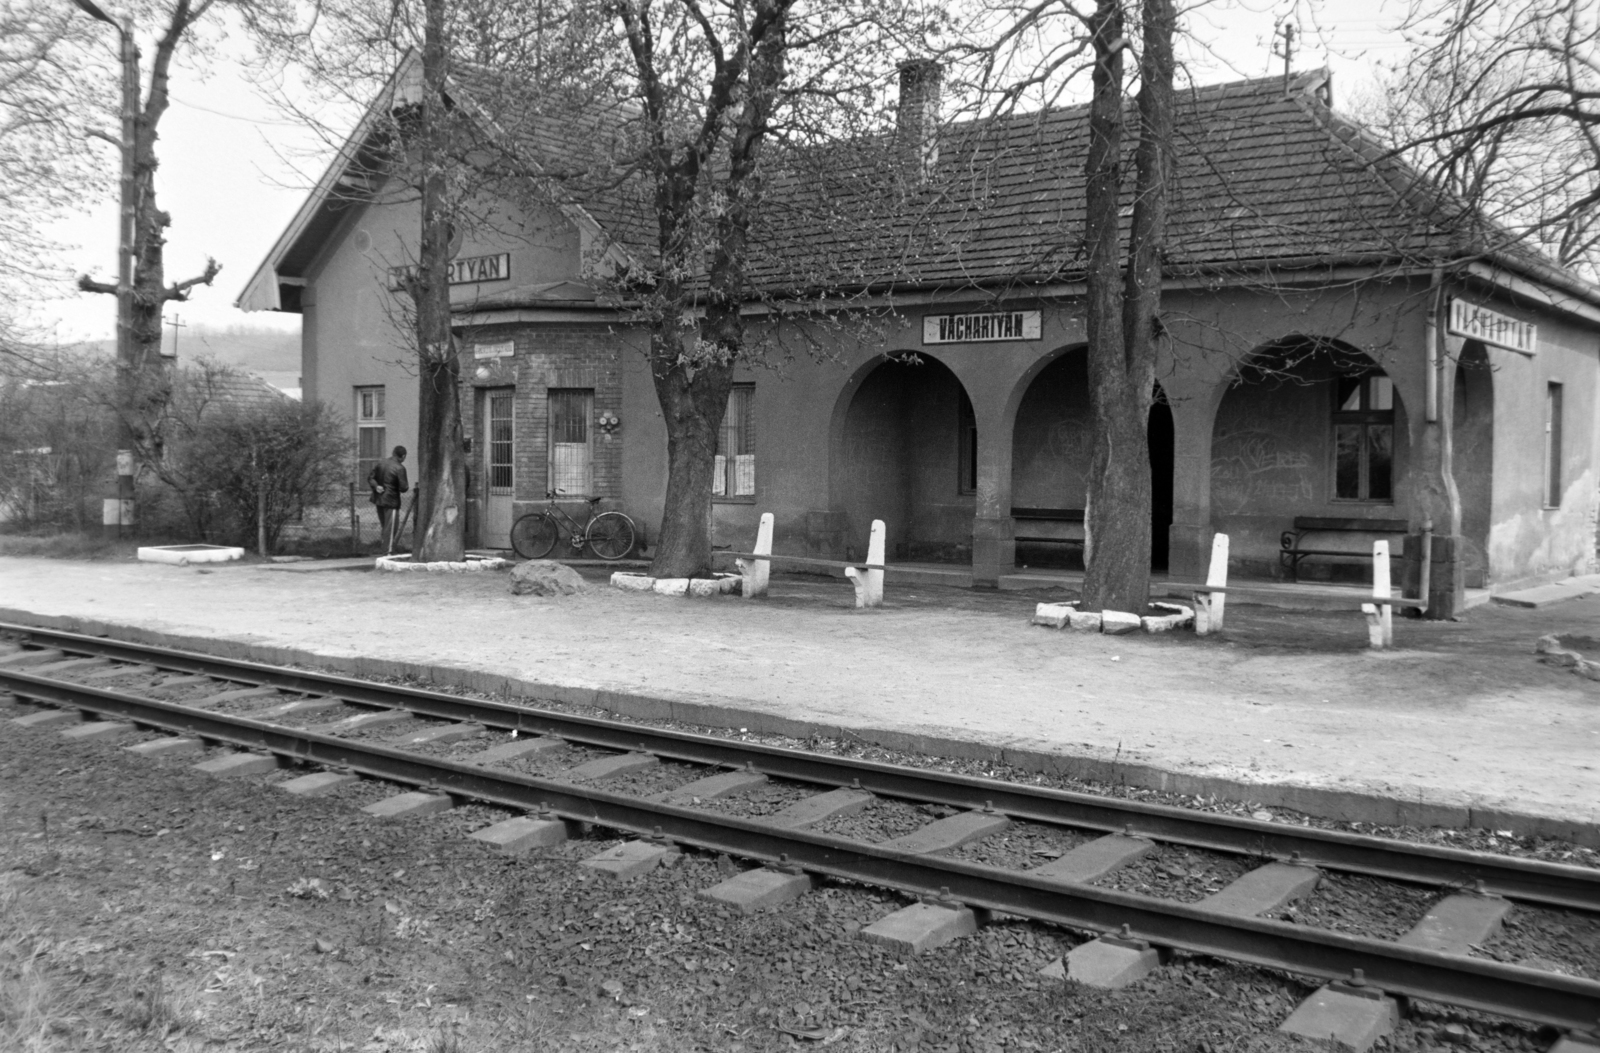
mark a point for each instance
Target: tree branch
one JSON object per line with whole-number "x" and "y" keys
{"x": 180, "y": 290}
{"x": 88, "y": 284}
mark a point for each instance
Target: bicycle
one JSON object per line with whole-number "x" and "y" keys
{"x": 610, "y": 534}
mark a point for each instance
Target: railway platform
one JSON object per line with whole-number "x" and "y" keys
{"x": 1459, "y": 726}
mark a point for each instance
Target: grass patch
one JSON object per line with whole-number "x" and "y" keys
{"x": 36, "y": 1009}
{"x": 88, "y": 545}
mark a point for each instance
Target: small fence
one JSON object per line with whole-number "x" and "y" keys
{"x": 344, "y": 515}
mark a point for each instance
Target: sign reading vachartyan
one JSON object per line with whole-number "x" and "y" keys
{"x": 1479, "y": 323}
{"x": 980, "y": 328}
{"x": 469, "y": 270}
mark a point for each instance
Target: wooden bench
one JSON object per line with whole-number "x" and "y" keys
{"x": 1033, "y": 519}
{"x": 1294, "y": 549}
{"x": 755, "y": 567}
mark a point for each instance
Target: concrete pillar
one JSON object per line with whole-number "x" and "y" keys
{"x": 994, "y": 534}
{"x": 1432, "y": 485}
{"x": 1189, "y": 537}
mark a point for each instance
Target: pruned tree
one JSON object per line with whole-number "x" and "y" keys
{"x": 150, "y": 290}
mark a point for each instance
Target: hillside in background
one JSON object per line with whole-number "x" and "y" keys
{"x": 270, "y": 354}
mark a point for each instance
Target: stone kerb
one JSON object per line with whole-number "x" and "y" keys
{"x": 469, "y": 565}
{"x": 717, "y": 585}
{"x": 1113, "y": 623}
{"x": 1562, "y": 650}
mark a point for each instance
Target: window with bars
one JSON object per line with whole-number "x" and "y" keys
{"x": 735, "y": 471}
{"x": 371, "y": 432}
{"x": 500, "y": 441}
{"x": 571, "y": 441}
{"x": 1552, "y": 446}
{"x": 1363, "y": 438}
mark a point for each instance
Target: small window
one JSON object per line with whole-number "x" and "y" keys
{"x": 734, "y": 472}
{"x": 1552, "y": 446}
{"x": 371, "y": 432}
{"x": 967, "y": 458}
{"x": 1363, "y": 438}
{"x": 571, "y": 451}
{"x": 500, "y": 405}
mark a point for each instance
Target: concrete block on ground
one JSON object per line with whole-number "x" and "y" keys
{"x": 317, "y": 783}
{"x": 761, "y": 889}
{"x": 670, "y": 586}
{"x": 97, "y": 730}
{"x": 299, "y": 706}
{"x": 69, "y": 664}
{"x": 519, "y": 747}
{"x": 410, "y": 805}
{"x": 360, "y": 722}
{"x": 1111, "y": 962}
{"x": 1054, "y": 615}
{"x": 21, "y": 659}
{"x": 922, "y": 927}
{"x": 162, "y": 749}
{"x": 439, "y": 733}
{"x": 950, "y": 832}
{"x": 632, "y": 582}
{"x": 1177, "y": 617}
{"x": 238, "y": 694}
{"x": 1118, "y": 623}
{"x": 602, "y": 768}
{"x": 525, "y": 832}
{"x": 1094, "y": 859}
{"x": 1263, "y": 889}
{"x": 1454, "y": 924}
{"x": 1354, "y": 1017}
{"x": 45, "y": 718}
{"x": 230, "y": 765}
{"x": 632, "y": 859}
{"x": 1084, "y": 621}
{"x": 713, "y": 787}
{"x": 1576, "y": 1044}
{"x": 813, "y": 810}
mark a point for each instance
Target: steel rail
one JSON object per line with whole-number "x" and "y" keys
{"x": 1487, "y": 986}
{"x": 1525, "y": 880}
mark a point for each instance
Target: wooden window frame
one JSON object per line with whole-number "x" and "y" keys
{"x": 1367, "y": 419}
{"x": 741, "y": 434}
{"x": 378, "y": 422}
{"x": 1554, "y": 426}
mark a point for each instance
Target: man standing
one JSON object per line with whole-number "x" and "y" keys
{"x": 388, "y": 481}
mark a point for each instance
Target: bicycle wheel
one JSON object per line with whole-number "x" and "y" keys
{"x": 611, "y": 535}
{"x": 534, "y": 535}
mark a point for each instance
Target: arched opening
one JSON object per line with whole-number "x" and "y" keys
{"x": 1052, "y": 442}
{"x": 908, "y": 456}
{"x": 1472, "y": 438}
{"x": 1308, "y": 427}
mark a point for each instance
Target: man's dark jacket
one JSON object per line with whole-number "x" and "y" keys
{"x": 388, "y": 481}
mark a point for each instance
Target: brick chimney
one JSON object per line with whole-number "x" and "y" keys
{"x": 917, "y": 119}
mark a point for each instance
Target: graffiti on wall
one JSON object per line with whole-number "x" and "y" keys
{"x": 1259, "y": 463}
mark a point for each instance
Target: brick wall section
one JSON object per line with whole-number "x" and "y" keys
{"x": 567, "y": 355}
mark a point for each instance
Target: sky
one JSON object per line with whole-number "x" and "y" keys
{"x": 234, "y": 169}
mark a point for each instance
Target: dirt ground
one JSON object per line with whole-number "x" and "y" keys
{"x": 146, "y": 907}
{"x": 1460, "y": 714}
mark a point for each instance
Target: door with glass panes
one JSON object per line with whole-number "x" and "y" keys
{"x": 498, "y": 447}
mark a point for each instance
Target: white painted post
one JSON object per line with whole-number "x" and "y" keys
{"x": 757, "y": 572}
{"x": 1208, "y": 606}
{"x": 1380, "y": 615}
{"x": 869, "y": 583}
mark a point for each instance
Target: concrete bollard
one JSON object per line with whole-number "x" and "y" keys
{"x": 757, "y": 572}
{"x": 869, "y": 583}
{"x": 1208, "y": 606}
{"x": 1380, "y": 614}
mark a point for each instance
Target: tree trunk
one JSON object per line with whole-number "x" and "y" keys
{"x": 693, "y": 405}
{"x": 1124, "y": 307}
{"x": 440, "y": 530}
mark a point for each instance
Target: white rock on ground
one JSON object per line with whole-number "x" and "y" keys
{"x": 632, "y": 582}
{"x": 1116, "y": 623}
{"x": 544, "y": 577}
{"x": 1084, "y": 621}
{"x": 1053, "y": 615}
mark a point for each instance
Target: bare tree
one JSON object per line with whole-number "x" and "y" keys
{"x": 1499, "y": 107}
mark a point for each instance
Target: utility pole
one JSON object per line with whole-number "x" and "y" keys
{"x": 1287, "y": 52}
{"x": 118, "y": 512}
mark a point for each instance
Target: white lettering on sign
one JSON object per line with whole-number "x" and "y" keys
{"x": 978, "y": 328}
{"x": 473, "y": 269}
{"x": 505, "y": 350}
{"x": 1479, "y": 323}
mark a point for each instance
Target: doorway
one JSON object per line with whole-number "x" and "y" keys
{"x": 1163, "y": 461}
{"x": 499, "y": 474}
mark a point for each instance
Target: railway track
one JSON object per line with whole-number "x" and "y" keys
{"x": 261, "y": 712}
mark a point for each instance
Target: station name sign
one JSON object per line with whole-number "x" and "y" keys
{"x": 469, "y": 270}
{"x": 979, "y": 328}
{"x": 1479, "y": 323}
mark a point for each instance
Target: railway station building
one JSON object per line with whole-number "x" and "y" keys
{"x": 1332, "y": 351}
